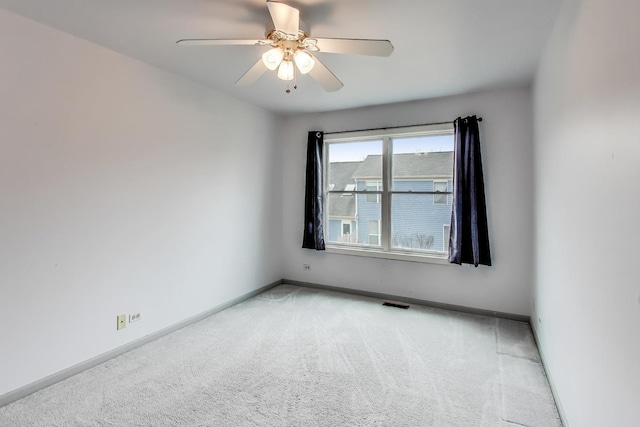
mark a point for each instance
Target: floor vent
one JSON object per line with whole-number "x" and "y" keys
{"x": 393, "y": 304}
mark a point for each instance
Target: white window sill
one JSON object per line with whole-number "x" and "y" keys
{"x": 431, "y": 258}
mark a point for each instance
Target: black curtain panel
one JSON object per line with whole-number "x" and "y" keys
{"x": 313, "y": 208}
{"x": 469, "y": 238}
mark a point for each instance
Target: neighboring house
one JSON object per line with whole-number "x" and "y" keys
{"x": 419, "y": 221}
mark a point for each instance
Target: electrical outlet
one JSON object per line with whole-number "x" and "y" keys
{"x": 135, "y": 317}
{"x": 307, "y": 267}
{"x": 122, "y": 321}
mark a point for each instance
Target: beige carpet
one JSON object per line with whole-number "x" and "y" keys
{"x": 302, "y": 357}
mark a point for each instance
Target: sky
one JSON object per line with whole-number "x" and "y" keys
{"x": 357, "y": 151}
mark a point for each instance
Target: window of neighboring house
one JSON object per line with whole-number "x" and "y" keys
{"x": 346, "y": 228}
{"x": 440, "y": 187}
{"x": 401, "y": 199}
{"x": 446, "y": 232}
{"x": 348, "y": 187}
{"x": 374, "y": 232}
{"x": 373, "y": 186}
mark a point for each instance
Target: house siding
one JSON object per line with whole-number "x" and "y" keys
{"x": 416, "y": 221}
{"x": 335, "y": 226}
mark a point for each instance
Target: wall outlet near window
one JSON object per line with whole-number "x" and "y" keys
{"x": 135, "y": 317}
{"x": 306, "y": 267}
{"x": 122, "y": 321}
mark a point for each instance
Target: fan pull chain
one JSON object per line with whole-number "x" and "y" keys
{"x": 295, "y": 84}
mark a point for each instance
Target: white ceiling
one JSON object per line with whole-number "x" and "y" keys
{"x": 442, "y": 47}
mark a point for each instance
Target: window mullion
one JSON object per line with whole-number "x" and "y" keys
{"x": 386, "y": 195}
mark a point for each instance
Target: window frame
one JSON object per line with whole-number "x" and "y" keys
{"x": 446, "y": 233}
{"x": 373, "y": 193}
{"x": 385, "y": 249}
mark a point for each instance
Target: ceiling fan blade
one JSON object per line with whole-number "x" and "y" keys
{"x": 324, "y": 77}
{"x": 222, "y": 42}
{"x": 355, "y": 46}
{"x": 252, "y": 75}
{"x": 284, "y": 17}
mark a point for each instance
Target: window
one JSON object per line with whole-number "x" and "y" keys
{"x": 373, "y": 187}
{"x": 441, "y": 188}
{"x": 346, "y": 228}
{"x": 374, "y": 232}
{"x": 403, "y": 180}
{"x": 348, "y": 187}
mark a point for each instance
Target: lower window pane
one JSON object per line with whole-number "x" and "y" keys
{"x": 417, "y": 223}
{"x": 344, "y": 226}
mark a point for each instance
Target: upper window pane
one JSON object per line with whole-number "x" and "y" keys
{"x": 417, "y": 161}
{"x": 350, "y": 162}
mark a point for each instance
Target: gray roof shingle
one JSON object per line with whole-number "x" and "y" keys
{"x": 419, "y": 165}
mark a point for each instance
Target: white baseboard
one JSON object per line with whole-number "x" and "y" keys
{"x": 38, "y": 385}
{"x": 377, "y": 295}
{"x": 554, "y": 390}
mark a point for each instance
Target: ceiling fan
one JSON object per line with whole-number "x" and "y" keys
{"x": 290, "y": 43}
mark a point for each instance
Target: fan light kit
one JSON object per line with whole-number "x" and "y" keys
{"x": 288, "y": 37}
{"x": 281, "y": 59}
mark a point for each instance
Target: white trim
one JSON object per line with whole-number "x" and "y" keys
{"x": 384, "y": 225}
{"x": 373, "y": 252}
{"x": 445, "y": 237}
{"x": 342, "y": 218}
{"x": 45, "y": 382}
{"x": 427, "y": 130}
{"x": 545, "y": 367}
{"x": 409, "y": 300}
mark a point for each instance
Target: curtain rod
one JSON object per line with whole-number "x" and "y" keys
{"x": 392, "y": 127}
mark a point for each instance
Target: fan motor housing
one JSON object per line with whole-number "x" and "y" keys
{"x": 303, "y": 29}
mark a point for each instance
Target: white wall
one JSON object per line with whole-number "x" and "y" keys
{"x": 507, "y": 143}
{"x": 122, "y": 188}
{"x": 587, "y": 175}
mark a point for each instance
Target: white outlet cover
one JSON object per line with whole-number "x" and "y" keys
{"x": 135, "y": 317}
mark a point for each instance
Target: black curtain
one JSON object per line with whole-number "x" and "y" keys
{"x": 469, "y": 238}
{"x": 313, "y": 209}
